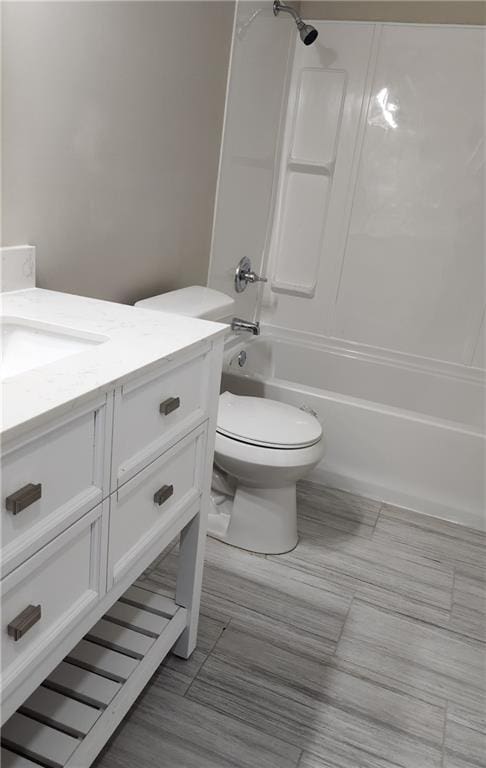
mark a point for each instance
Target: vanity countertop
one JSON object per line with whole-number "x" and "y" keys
{"x": 137, "y": 340}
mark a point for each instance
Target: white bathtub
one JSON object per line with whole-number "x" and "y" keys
{"x": 396, "y": 433}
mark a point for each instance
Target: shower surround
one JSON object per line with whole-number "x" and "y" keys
{"x": 373, "y": 243}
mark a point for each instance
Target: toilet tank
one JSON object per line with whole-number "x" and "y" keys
{"x": 195, "y": 301}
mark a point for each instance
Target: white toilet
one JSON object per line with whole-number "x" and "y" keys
{"x": 262, "y": 446}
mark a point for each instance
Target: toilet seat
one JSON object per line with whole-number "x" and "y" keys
{"x": 266, "y": 423}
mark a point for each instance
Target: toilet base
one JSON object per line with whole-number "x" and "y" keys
{"x": 262, "y": 520}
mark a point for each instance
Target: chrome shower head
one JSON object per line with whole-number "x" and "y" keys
{"x": 307, "y": 32}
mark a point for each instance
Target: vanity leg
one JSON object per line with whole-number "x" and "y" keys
{"x": 193, "y": 536}
{"x": 189, "y": 580}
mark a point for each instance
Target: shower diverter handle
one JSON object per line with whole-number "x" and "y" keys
{"x": 244, "y": 275}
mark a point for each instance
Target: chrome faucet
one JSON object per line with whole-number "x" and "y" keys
{"x": 244, "y": 275}
{"x": 237, "y": 324}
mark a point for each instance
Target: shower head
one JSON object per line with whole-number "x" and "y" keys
{"x": 307, "y": 32}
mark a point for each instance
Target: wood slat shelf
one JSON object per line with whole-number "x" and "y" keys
{"x": 68, "y": 719}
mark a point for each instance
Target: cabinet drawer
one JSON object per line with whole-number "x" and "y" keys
{"x": 44, "y": 597}
{"x": 150, "y": 415}
{"x": 50, "y": 481}
{"x": 143, "y": 509}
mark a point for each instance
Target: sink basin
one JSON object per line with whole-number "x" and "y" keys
{"x": 27, "y": 344}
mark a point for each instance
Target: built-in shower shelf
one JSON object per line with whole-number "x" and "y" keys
{"x": 68, "y": 719}
{"x": 304, "y": 166}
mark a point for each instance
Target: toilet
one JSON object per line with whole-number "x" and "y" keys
{"x": 263, "y": 447}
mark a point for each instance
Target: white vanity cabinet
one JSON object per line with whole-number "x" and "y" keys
{"x": 60, "y": 584}
{"x": 89, "y": 499}
{"x": 152, "y": 501}
{"x": 51, "y": 476}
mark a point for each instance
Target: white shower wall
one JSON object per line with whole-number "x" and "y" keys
{"x": 255, "y": 100}
{"x": 355, "y": 177}
{"x": 378, "y": 240}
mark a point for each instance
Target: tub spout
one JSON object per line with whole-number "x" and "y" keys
{"x": 237, "y": 324}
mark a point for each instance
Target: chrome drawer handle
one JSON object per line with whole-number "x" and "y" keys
{"x": 24, "y": 621}
{"x": 23, "y": 498}
{"x": 169, "y": 405}
{"x": 163, "y": 494}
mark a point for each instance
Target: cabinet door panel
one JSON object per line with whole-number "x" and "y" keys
{"x": 143, "y": 509}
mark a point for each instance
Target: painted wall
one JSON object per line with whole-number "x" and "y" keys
{"x": 379, "y": 237}
{"x": 256, "y": 98}
{"x": 112, "y": 116}
{"x": 411, "y": 11}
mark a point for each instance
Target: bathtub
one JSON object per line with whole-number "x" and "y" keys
{"x": 394, "y": 432}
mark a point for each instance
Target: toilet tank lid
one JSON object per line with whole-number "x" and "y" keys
{"x": 194, "y": 301}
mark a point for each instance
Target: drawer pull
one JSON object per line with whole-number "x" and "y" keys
{"x": 163, "y": 494}
{"x": 23, "y": 498}
{"x": 24, "y": 621}
{"x": 169, "y": 405}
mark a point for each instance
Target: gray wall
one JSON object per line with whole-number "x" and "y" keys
{"x": 413, "y": 11}
{"x": 112, "y": 116}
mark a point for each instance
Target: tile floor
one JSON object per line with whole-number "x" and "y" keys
{"x": 365, "y": 647}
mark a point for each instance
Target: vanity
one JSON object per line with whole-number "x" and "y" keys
{"x": 109, "y": 417}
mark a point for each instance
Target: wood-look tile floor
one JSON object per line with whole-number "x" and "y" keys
{"x": 365, "y": 647}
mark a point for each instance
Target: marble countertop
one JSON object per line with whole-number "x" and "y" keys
{"x": 137, "y": 339}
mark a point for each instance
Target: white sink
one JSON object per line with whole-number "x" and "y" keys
{"x": 27, "y": 344}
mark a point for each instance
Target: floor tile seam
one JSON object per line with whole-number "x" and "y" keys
{"x": 391, "y": 684}
{"x": 322, "y": 537}
{"x": 471, "y": 762}
{"x": 206, "y": 659}
{"x": 481, "y": 730}
{"x": 396, "y": 683}
{"x": 299, "y": 564}
{"x": 458, "y": 700}
{"x": 273, "y": 618}
{"x": 422, "y": 517}
{"x": 472, "y": 641}
{"x": 207, "y": 615}
{"x": 405, "y": 613}
{"x": 445, "y": 537}
{"x": 430, "y": 563}
{"x": 442, "y": 762}
{"x": 334, "y": 704}
{"x": 361, "y": 749}
{"x": 327, "y": 522}
{"x": 378, "y": 518}
{"x": 180, "y": 660}
{"x": 221, "y": 632}
{"x": 314, "y": 696}
{"x": 294, "y": 693}
{"x": 444, "y": 728}
{"x": 351, "y": 603}
{"x": 318, "y": 590}
{"x": 303, "y": 653}
{"x": 299, "y": 759}
{"x": 357, "y": 713}
{"x": 453, "y": 590}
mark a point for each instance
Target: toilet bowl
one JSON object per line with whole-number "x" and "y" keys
{"x": 263, "y": 447}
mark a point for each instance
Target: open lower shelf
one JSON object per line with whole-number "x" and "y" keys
{"x": 69, "y": 718}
